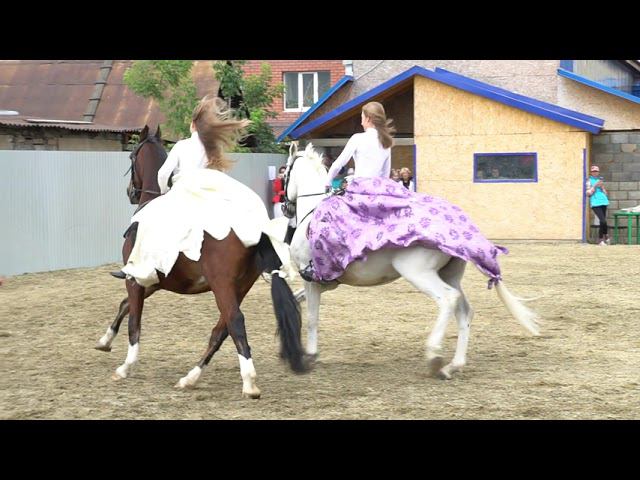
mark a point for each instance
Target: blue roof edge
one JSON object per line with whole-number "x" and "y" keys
{"x": 591, "y": 83}
{"x": 315, "y": 106}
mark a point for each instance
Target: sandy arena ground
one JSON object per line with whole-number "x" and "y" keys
{"x": 586, "y": 364}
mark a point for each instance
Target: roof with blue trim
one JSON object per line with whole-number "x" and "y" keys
{"x": 548, "y": 110}
{"x": 591, "y": 83}
{"x": 315, "y": 106}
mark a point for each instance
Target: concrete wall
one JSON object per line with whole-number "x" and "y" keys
{"x": 534, "y": 78}
{"x": 451, "y": 125}
{"x": 618, "y": 113}
{"x": 618, "y": 156}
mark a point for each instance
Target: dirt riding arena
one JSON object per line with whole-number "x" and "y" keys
{"x": 372, "y": 361}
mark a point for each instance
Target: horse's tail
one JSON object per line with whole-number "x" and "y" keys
{"x": 285, "y": 307}
{"x": 526, "y": 317}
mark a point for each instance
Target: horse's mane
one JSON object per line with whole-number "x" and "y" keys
{"x": 312, "y": 159}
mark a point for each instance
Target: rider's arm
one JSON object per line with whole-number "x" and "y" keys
{"x": 167, "y": 169}
{"x": 342, "y": 160}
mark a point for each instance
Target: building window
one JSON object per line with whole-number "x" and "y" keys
{"x": 505, "y": 167}
{"x": 303, "y": 89}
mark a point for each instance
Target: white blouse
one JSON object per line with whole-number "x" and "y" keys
{"x": 186, "y": 155}
{"x": 370, "y": 157}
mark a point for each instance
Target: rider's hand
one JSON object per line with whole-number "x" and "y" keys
{"x": 327, "y": 188}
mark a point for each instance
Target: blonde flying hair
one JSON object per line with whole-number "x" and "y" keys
{"x": 218, "y": 130}
{"x": 374, "y": 111}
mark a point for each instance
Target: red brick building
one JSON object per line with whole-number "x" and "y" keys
{"x": 305, "y": 82}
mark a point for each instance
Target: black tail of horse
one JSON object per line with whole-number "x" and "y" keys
{"x": 285, "y": 307}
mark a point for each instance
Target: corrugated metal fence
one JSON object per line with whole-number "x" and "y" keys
{"x": 62, "y": 210}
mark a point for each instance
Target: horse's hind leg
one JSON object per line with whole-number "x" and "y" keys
{"x": 420, "y": 267}
{"x": 228, "y": 298}
{"x": 218, "y": 335}
{"x": 136, "y": 302}
{"x": 452, "y": 274}
{"x": 104, "y": 344}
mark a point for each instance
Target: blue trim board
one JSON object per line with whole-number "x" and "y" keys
{"x": 315, "y": 106}
{"x": 506, "y": 180}
{"x": 553, "y": 112}
{"x": 584, "y": 195}
{"x": 567, "y": 65}
{"x": 599, "y": 86}
{"x": 415, "y": 167}
{"x": 355, "y": 102}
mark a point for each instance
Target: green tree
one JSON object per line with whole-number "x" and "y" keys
{"x": 257, "y": 96}
{"x": 169, "y": 82}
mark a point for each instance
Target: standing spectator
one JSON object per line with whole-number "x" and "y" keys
{"x": 278, "y": 192}
{"x": 599, "y": 201}
{"x": 407, "y": 179}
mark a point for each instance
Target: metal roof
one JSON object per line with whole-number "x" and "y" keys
{"x": 62, "y": 89}
{"x": 26, "y": 122}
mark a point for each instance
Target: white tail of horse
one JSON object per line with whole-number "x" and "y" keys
{"x": 527, "y": 318}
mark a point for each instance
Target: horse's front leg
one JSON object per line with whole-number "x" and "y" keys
{"x": 104, "y": 344}
{"x": 136, "y": 302}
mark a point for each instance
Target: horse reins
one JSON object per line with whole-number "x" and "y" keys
{"x": 133, "y": 157}
{"x": 286, "y": 186}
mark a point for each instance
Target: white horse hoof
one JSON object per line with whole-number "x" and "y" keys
{"x": 444, "y": 374}
{"x": 103, "y": 348}
{"x": 116, "y": 376}
{"x": 254, "y": 394}
{"x": 184, "y": 384}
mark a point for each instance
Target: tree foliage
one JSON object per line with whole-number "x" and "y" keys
{"x": 170, "y": 83}
{"x": 255, "y": 95}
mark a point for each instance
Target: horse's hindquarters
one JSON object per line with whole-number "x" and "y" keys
{"x": 377, "y": 269}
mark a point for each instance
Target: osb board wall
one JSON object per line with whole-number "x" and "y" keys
{"x": 452, "y": 125}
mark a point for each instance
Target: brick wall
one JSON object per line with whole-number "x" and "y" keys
{"x": 278, "y": 67}
{"x": 618, "y": 156}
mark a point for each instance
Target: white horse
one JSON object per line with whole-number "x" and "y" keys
{"x": 431, "y": 271}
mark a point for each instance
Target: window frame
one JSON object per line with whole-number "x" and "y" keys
{"x": 316, "y": 96}
{"x": 477, "y": 156}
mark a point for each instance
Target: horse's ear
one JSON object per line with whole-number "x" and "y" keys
{"x": 293, "y": 149}
{"x": 144, "y": 132}
{"x": 158, "y": 134}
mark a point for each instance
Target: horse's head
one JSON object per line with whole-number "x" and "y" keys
{"x": 146, "y": 159}
{"x": 304, "y": 177}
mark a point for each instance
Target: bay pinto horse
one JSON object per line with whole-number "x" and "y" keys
{"x": 226, "y": 267}
{"x": 430, "y": 271}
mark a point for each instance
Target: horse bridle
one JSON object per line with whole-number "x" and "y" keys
{"x": 290, "y": 205}
{"x": 133, "y": 157}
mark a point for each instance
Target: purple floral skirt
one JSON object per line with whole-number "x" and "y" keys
{"x": 376, "y": 213}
